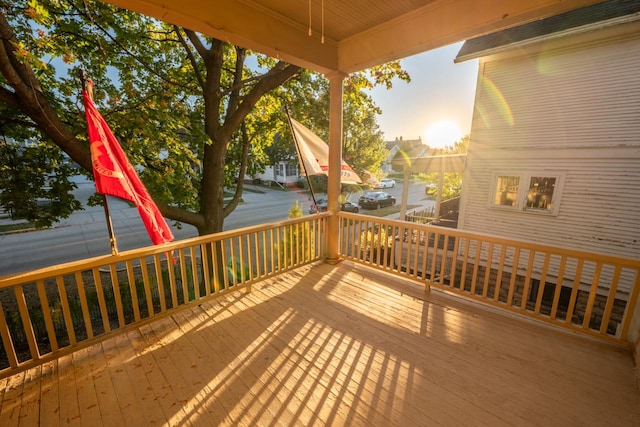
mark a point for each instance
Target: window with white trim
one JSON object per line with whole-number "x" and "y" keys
{"x": 530, "y": 192}
{"x": 286, "y": 169}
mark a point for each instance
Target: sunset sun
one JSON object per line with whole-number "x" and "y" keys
{"x": 443, "y": 133}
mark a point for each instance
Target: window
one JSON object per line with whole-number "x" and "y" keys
{"x": 540, "y": 195}
{"x": 285, "y": 170}
{"x": 507, "y": 190}
{"x": 292, "y": 169}
{"x": 528, "y": 192}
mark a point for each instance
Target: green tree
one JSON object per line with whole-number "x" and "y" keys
{"x": 175, "y": 99}
{"x": 192, "y": 112}
{"x": 298, "y": 242}
{"x": 42, "y": 197}
{"x": 452, "y": 181}
{"x": 363, "y": 142}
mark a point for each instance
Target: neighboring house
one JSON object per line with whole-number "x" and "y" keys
{"x": 554, "y": 155}
{"x": 410, "y": 147}
{"x": 284, "y": 173}
{"x": 392, "y": 149}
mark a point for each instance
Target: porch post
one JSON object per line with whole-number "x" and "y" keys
{"x": 439, "y": 195}
{"x": 335, "y": 155}
{"x": 405, "y": 191}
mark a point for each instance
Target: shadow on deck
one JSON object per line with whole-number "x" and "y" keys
{"x": 342, "y": 345}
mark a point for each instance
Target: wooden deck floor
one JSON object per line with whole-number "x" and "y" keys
{"x": 332, "y": 345}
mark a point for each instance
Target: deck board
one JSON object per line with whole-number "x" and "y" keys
{"x": 332, "y": 345}
{"x": 10, "y": 410}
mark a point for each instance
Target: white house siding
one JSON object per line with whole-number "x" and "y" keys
{"x": 270, "y": 175}
{"x": 267, "y": 175}
{"x": 574, "y": 110}
{"x": 584, "y": 96}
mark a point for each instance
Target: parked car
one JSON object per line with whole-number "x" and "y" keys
{"x": 320, "y": 206}
{"x": 386, "y": 183}
{"x": 349, "y": 207}
{"x": 376, "y": 200}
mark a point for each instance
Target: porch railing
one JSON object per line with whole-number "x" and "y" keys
{"x": 584, "y": 292}
{"x": 54, "y": 311}
{"x": 448, "y": 212}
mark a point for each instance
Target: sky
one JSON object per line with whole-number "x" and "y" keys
{"x": 436, "y": 105}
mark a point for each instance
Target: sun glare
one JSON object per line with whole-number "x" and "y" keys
{"x": 443, "y": 133}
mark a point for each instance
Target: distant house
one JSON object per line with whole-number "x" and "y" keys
{"x": 283, "y": 173}
{"x": 554, "y": 155}
{"x": 409, "y": 148}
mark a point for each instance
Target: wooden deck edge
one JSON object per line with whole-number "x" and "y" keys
{"x": 501, "y": 309}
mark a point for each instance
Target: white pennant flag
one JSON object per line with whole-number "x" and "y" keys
{"x": 313, "y": 154}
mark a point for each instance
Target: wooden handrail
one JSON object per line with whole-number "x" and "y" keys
{"x": 56, "y": 310}
{"x": 594, "y": 294}
{"x": 53, "y": 311}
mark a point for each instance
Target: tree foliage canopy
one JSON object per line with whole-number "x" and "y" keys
{"x": 193, "y": 113}
{"x": 452, "y": 181}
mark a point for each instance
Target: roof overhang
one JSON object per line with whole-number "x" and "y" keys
{"x": 358, "y": 34}
{"x": 585, "y": 22}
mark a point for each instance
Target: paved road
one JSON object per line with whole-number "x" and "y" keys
{"x": 84, "y": 234}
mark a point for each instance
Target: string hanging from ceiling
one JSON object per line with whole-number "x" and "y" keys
{"x": 321, "y": 23}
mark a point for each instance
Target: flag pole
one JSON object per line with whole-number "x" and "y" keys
{"x": 304, "y": 168}
{"x": 107, "y": 214}
{"x": 112, "y": 236}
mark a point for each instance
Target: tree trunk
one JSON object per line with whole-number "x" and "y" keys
{"x": 212, "y": 188}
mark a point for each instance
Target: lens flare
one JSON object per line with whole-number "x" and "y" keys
{"x": 443, "y": 133}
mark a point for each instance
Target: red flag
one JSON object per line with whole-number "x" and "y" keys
{"x": 115, "y": 176}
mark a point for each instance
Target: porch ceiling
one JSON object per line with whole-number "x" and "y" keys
{"x": 358, "y": 34}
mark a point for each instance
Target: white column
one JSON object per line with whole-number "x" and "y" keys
{"x": 405, "y": 191}
{"x": 335, "y": 155}
{"x": 439, "y": 196}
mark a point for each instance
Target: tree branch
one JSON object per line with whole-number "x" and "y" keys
{"x": 277, "y": 76}
{"x": 192, "y": 58}
{"x": 240, "y": 84}
{"x": 234, "y": 98}
{"x": 237, "y": 196}
{"x": 197, "y": 43}
{"x": 129, "y": 53}
{"x": 31, "y": 99}
{"x": 181, "y": 215}
{"x": 9, "y": 98}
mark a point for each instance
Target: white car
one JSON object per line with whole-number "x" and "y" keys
{"x": 386, "y": 183}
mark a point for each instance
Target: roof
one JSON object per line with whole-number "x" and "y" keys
{"x": 600, "y": 12}
{"x": 403, "y": 143}
{"x": 411, "y": 148}
{"x": 358, "y": 34}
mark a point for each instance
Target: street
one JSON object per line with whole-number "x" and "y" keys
{"x": 84, "y": 234}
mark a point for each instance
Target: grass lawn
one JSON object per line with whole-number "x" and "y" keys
{"x": 16, "y": 227}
